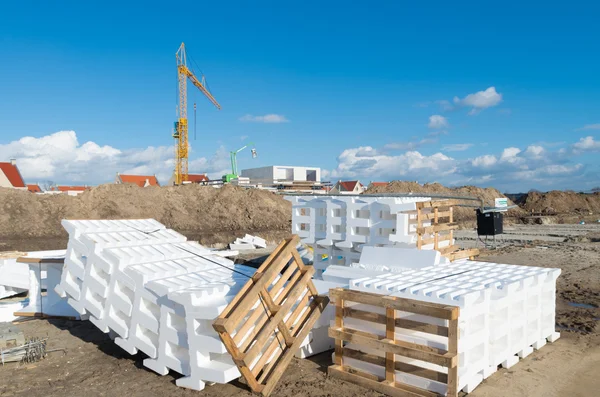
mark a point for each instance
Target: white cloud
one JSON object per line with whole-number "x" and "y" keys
{"x": 61, "y": 158}
{"x": 479, "y": 100}
{"x": 436, "y": 121}
{"x": 589, "y": 127}
{"x": 535, "y": 151}
{"x": 411, "y": 163}
{"x": 457, "y": 147}
{"x": 509, "y": 155}
{"x": 267, "y": 118}
{"x": 484, "y": 161}
{"x": 510, "y": 169}
{"x": 587, "y": 144}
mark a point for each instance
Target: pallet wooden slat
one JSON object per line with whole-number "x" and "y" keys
{"x": 469, "y": 253}
{"x": 441, "y": 237}
{"x": 407, "y": 305}
{"x": 388, "y": 348}
{"x": 437, "y": 228}
{"x": 254, "y": 327}
{"x": 439, "y": 231}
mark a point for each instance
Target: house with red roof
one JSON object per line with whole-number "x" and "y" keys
{"x": 140, "y": 180}
{"x": 34, "y": 188}
{"x": 72, "y": 190}
{"x": 348, "y": 187}
{"x": 10, "y": 175}
{"x": 192, "y": 178}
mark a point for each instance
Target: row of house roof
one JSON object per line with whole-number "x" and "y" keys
{"x": 11, "y": 177}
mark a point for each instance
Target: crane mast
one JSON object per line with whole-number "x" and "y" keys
{"x": 181, "y": 125}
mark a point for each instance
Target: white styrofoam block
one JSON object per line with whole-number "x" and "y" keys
{"x": 255, "y": 240}
{"x": 242, "y": 246}
{"x": 318, "y": 341}
{"x": 386, "y": 258}
{"x": 343, "y": 274}
{"x": 502, "y": 306}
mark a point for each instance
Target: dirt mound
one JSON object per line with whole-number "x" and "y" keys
{"x": 562, "y": 203}
{"x": 200, "y": 212}
{"x": 465, "y": 216}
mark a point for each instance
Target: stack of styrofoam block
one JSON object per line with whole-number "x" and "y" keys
{"x": 505, "y": 312}
{"x": 15, "y": 276}
{"x": 337, "y": 227}
{"x": 155, "y": 292}
{"x": 248, "y": 242}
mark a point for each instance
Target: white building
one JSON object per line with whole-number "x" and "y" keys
{"x": 280, "y": 174}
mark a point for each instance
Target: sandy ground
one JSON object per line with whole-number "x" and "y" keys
{"x": 93, "y": 365}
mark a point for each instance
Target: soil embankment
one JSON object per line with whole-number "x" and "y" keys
{"x": 464, "y": 216}
{"x": 200, "y": 212}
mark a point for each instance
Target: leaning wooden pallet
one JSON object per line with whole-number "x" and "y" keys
{"x": 435, "y": 224}
{"x": 265, "y": 324}
{"x": 388, "y": 352}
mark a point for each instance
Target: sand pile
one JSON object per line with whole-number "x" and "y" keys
{"x": 562, "y": 203}
{"x": 200, "y": 212}
{"x": 464, "y": 216}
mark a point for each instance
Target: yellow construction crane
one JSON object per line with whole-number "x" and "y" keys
{"x": 181, "y": 125}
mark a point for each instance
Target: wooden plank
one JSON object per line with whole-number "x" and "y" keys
{"x": 419, "y": 224}
{"x": 42, "y": 315}
{"x": 463, "y": 254}
{"x": 339, "y": 322}
{"x": 365, "y": 316}
{"x": 400, "y": 366}
{"x": 437, "y": 228}
{"x": 448, "y": 249}
{"x": 410, "y": 350}
{"x": 431, "y": 215}
{"x": 407, "y": 305}
{"x": 422, "y": 327}
{"x": 451, "y": 220}
{"x": 260, "y": 364}
{"x": 435, "y": 221}
{"x": 27, "y": 259}
{"x": 390, "y": 333}
{"x": 453, "y": 348}
{"x": 400, "y": 322}
{"x": 441, "y": 237}
{"x": 366, "y": 380}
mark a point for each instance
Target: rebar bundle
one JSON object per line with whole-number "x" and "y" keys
{"x": 32, "y": 351}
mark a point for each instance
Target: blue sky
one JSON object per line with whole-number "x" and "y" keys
{"x": 503, "y": 95}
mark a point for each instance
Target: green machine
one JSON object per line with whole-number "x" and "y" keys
{"x": 234, "y": 169}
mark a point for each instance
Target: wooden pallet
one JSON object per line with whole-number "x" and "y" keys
{"x": 441, "y": 216}
{"x": 267, "y": 321}
{"x": 388, "y": 347}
